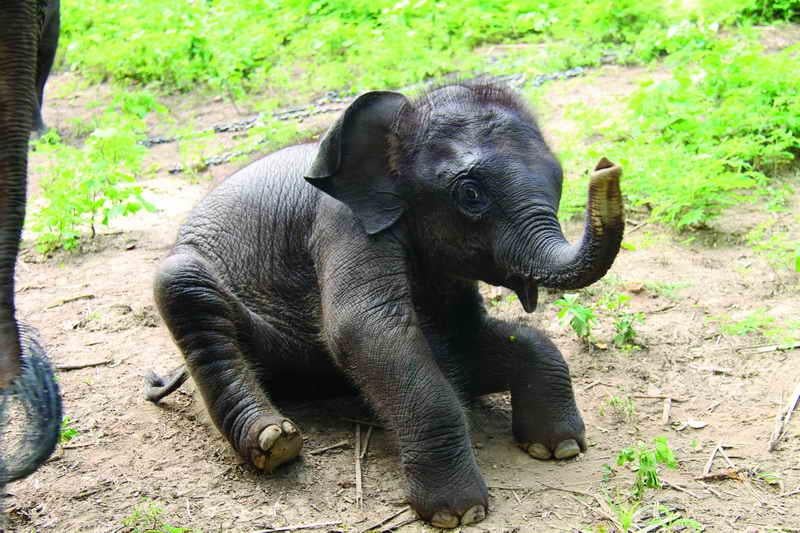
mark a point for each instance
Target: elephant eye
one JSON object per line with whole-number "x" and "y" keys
{"x": 470, "y": 197}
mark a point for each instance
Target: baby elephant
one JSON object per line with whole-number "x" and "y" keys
{"x": 354, "y": 262}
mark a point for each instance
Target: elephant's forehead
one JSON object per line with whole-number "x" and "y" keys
{"x": 480, "y": 147}
{"x": 462, "y": 131}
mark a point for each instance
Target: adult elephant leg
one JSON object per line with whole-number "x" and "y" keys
{"x": 546, "y": 420}
{"x": 44, "y": 61}
{"x": 214, "y": 330}
{"x": 27, "y": 387}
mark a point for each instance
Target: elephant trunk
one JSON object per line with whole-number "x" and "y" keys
{"x": 554, "y": 262}
{"x": 17, "y": 70}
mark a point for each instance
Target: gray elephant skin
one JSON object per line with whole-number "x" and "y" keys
{"x": 45, "y": 55}
{"x": 353, "y": 263}
{"x": 26, "y": 379}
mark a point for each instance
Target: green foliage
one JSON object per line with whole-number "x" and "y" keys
{"x": 775, "y": 241}
{"x": 67, "y": 432}
{"x": 766, "y": 10}
{"x": 646, "y": 461}
{"x": 580, "y": 318}
{"x": 624, "y": 331}
{"x": 693, "y": 143}
{"x": 87, "y": 186}
{"x": 758, "y": 322}
{"x": 146, "y": 517}
{"x": 622, "y": 407}
{"x": 355, "y": 45}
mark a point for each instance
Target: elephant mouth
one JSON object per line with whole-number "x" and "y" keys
{"x": 527, "y": 291}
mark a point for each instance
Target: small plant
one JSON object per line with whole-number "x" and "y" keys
{"x": 624, "y": 332}
{"x": 88, "y": 187}
{"x": 756, "y": 322}
{"x": 622, "y": 408}
{"x": 645, "y": 462}
{"x": 579, "y": 317}
{"x": 67, "y": 432}
{"x": 624, "y": 512}
{"x": 146, "y": 518}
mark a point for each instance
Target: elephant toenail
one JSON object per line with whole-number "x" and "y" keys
{"x": 474, "y": 514}
{"x": 268, "y": 436}
{"x": 444, "y": 519}
{"x": 288, "y": 427}
{"x": 539, "y": 451}
{"x": 567, "y": 448}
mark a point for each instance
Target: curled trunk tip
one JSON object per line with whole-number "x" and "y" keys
{"x": 606, "y": 210}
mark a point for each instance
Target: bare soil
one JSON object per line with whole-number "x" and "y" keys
{"x": 96, "y": 306}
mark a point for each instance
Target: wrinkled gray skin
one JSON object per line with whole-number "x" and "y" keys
{"x": 45, "y": 55}
{"x": 25, "y": 376}
{"x": 364, "y": 274}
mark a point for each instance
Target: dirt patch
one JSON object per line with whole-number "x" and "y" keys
{"x": 128, "y": 451}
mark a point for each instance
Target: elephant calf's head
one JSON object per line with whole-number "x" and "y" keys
{"x": 469, "y": 173}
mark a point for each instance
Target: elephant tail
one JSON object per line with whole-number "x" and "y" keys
{"x": 157, "y": 388}
{"x": 30, "y": 412}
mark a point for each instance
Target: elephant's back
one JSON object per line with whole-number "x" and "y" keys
{"x": 254, "y": 226}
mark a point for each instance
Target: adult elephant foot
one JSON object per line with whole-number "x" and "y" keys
{"x": 271, "y": 442}
{"x": 30, "y": 412}
{"x": 559, "y": 440}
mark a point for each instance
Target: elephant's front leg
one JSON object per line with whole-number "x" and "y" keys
{"x": 373, "y": 332}
{"x": 546, "y": 420}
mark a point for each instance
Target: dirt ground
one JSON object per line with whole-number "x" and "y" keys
{"x": 96, "y": 307}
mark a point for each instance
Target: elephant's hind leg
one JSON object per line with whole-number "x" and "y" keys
{"x": 214, "y": 330}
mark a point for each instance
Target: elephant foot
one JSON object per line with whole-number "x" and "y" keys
{"x": 565, "y": 449}
{"x": 562, "y": 440}
{"x": 277, "y": 443}
{"x": 449, "y": 520}
{"x": 449, "y": 501}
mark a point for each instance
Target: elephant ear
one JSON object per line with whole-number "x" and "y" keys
{"x": 352, "y": 164}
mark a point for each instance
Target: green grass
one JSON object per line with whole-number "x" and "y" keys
{"x": 706, "y": 138}
{"x": 88, "y": 186}
{"x": 622, "y": 408}
{"x": 711, "y": 135}
{"x": 645, "y": 460}
{"x": 580, "y": 318}
{"x": 352, "y": 45}
{"x": 147, "y": 517}
{"x": 67, "y": 432}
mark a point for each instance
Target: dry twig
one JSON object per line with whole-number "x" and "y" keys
{"x": 782, "y": 420}
{"x": 78, "y": 366}
{"x": 70, "y": 299}
{"x": 729, "y": 473}
{"x": 658, "y": 397}
{"x": 711, "y": 489}
{"x": 324, "y": 449}
{"x": 790, "y": 493}
{"x": 357, "y": 458}
{"x": 316, "y": 525}
{"x": 710, "y": 461}
{"x": 666, "y": 410}
{"x": 365, "y": 447}
{"x": 389, "y": 518}
{"x": 679, "y": 488}
{"x": 764, "y": 348}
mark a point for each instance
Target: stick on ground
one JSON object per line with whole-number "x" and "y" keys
{"x": 383, "y": 521}
{"x": 357, "y": 458}
{"x": 324, "y": 449}
{"x": 316, "y": 525}
{"x": 782, "y": 420}
{"x": 365, "y": 447}
{"x": 78, "y": 366}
